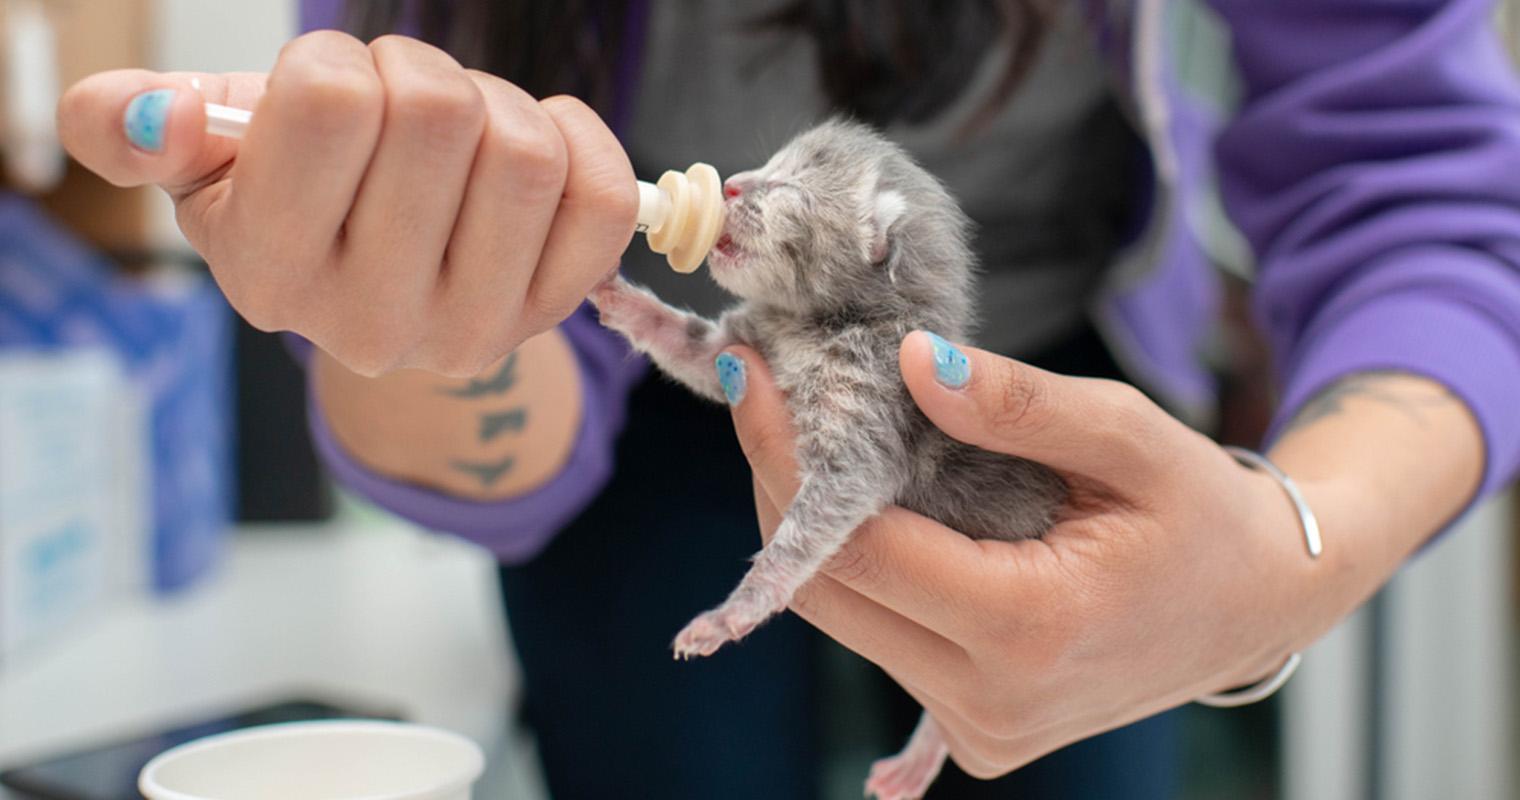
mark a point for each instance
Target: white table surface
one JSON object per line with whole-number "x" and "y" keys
{"x": 360, "y": 610}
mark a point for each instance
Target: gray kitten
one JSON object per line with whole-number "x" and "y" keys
{"x": 839, "y": 247}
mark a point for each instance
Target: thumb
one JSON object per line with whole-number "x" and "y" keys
{"x": 1099, "y": 428}
{"x": 135, "y": 127}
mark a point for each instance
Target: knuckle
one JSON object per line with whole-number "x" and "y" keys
{"x": 1128, "y": 417}
{"x": 567, "y": 105}
{"x": 325, "y": 98}
{"x": 536, "y": 158}
{"x": 365, "y": 359}
{"x": 375, "y": 342}
{"x": 367, "y": 365}
{"x": 466, "y": 356}
{"x": 260, "y": 316}
{"x": 319, "y": 45}
{"x": 545, "y": 307}
{"x": 614, "y": 197}
{"x": 394, "y": 43}
{"x": 1128, "y": 404}
{"x": 411, "y": 50}
{"x": 262, "y": 303}
{"x": 370, "y": 361}
{"x": 443, "y": 110}
{"x": 1017, "y": 400}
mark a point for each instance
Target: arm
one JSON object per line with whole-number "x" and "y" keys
{"x": 1373, "y": 170}
{"x": 496, "y": 436}
{"x": 1173, "y": 573}
{"x": 504, "y": 459}
{"x": 1384, "y": 459}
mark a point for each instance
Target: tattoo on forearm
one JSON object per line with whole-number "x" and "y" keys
{"x": 1373, "y": 386}
{"x": 492, "y": 423}
{"x": 488, "y": 473}
{"x": 504, "y": 379}
{"x": 495, "y": 423}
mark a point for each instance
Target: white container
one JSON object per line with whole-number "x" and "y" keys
{"x": 74, "y": 492}
{"x": 324, "y": 760}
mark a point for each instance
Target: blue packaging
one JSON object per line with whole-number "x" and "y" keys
{"x": 173, "y": 336}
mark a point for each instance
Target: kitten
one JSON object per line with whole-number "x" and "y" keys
{"x": 839, "y": 247}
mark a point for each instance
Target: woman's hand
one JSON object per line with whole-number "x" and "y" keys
{"x": 388, "y": 204}
{"x": 1173, "y": 573}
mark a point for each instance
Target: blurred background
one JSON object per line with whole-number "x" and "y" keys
{"x": 171, "y": 554}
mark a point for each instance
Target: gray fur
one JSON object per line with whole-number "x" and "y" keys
{"x": 838, "y": 248}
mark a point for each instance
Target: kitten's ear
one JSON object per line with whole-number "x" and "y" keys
{"x": 887, "y": 208}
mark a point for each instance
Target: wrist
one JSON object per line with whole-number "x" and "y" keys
{"x": 490, "y": 438}
{"x": 1357, "y": 553}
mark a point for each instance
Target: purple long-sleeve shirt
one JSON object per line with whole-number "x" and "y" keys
{"x": 1370, "y": 159}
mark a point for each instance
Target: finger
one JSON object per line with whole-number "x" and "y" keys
{"x": 300, "y": 164}
{"x": 595, "y": 219}
{"x": 765, "y": 512}
{"x": 135, "y": 127}
{"x": 509, "y": 203}
{"x": 413, "y": 189}
{"x": 1101, "y": 429}
{"x": 922, "y": 570}
{"x": 763, "y": 424}
{"x": 882, "y": 637}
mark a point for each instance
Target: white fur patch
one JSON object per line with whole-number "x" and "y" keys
{"x": 888, "y": 208}
{"x": 890, "y": 205}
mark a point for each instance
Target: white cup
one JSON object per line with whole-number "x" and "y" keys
{"x": 322, "y": 760}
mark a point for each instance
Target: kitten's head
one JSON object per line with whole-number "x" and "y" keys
{"x": 839, "y": 216}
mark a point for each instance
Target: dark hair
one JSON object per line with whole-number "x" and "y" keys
{"x": 880, "y": 61}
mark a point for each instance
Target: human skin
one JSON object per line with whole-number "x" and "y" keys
{"x": 414, "y": 220}
{"x": 1175, "y": 572}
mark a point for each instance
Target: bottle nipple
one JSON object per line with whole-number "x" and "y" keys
{"x": 682, "y": 215}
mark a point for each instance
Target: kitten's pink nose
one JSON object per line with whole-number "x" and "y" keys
{"x": 731, "y": 188}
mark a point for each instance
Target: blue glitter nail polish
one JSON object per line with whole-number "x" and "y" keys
{"x": 146, "y": 117}
{"x": 951, "y": 367}
{"x": 731, "y": 377}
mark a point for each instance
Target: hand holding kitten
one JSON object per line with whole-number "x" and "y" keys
{"x": 1173, "y": 572}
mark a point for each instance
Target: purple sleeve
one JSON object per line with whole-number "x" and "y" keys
{"x": 320, "y": 14}
{"x": 516, "y": 529}
{"x": 1375, "y": 169}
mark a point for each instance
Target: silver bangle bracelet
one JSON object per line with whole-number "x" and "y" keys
{"x": 1265, "y": 688}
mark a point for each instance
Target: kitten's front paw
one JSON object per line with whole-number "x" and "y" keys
{"x": 607, "y": 292}
{"x": 626, "y": 308}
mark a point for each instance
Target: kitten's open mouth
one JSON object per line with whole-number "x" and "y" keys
{"x": 726, "y": 246}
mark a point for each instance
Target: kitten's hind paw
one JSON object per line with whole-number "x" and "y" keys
{"x": 907, "y": 775}
{"x": 900, "y": 777}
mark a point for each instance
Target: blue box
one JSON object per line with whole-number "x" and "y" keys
{"x": 173, "y": 336}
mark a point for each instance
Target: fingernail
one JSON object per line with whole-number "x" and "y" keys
{"x": 145, "y": 119}
{"x": 951, "y": 367}
{"x": 731, "y": 377}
